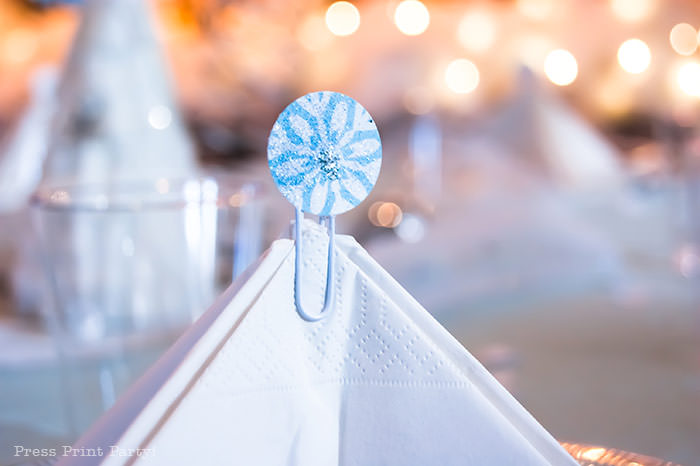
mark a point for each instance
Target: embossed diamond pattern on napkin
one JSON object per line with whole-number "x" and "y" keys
{"x": 366, "y": 340}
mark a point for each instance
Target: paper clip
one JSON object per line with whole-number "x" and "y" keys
{"x": 329, "y": 296}
{"x": 324, "y": 154}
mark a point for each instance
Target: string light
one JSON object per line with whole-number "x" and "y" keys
{"x": 684, "y": 39}
{"x": 476, "y": 31}
{"x": 237, "y": 199}
{"x": 634, "y": 56}
{"x": 688, "y": 78}
{"x": 462, "y": 76}
{"x": 412, "y": 17}
{"x": 560, "y": 67}
{"x": 593, "y": 453}
{"x": 342, "y": 18}
{"x": 385, "y": 214}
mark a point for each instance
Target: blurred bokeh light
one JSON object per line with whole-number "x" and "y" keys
{"x": 561, "y": 67}
{"x": 412, "y": 17}
{"x": 342, "y": 18}
{"x": 634, "y": 56}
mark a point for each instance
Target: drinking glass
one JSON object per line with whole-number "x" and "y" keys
{"x": 130, "y": 265}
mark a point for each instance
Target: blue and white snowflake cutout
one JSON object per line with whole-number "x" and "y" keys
{"x": 324, "y": 153}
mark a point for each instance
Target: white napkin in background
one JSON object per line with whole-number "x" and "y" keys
{"x": 377, "y": 382}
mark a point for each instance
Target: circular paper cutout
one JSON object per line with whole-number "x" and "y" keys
{"x": 324, "y": 153}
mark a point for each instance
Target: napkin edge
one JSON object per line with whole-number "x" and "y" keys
{"x": 541, "y": 440}
{"x": 120, "y": 421}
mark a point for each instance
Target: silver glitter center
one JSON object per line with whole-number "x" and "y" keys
{"x": 328, "y": 163}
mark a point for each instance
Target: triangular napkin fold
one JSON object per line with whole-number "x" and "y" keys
{"x": 378, "y": 381}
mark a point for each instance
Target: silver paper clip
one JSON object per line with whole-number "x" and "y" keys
{"x": 298, "y": 268}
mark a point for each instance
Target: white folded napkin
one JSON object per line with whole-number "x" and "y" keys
{"x": 376, "y": 382}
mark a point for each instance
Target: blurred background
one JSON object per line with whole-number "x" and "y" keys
{"x": 539, "y": 194}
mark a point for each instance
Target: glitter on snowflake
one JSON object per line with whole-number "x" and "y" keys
{"x": 324, "y": 153}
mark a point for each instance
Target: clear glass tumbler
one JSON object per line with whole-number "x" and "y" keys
{"x": 129, "y": 266}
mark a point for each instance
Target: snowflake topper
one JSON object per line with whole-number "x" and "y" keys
{"x": 324, "y": 153}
